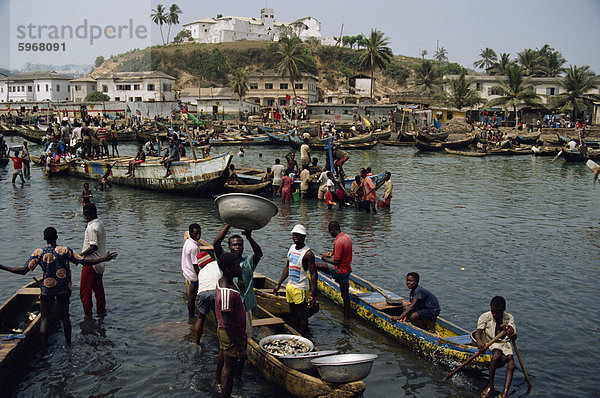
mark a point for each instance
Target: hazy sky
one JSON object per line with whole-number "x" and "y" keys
{"x": 463, "y": 27}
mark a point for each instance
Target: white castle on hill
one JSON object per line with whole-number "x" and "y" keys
{"x": 266, "y": 28}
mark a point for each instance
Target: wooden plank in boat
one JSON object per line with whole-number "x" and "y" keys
{"x": 382, "y": 306}
{"x": 267, "y": 321}
{"x": 29, "y": 291}
{"x": 462, "y": 339}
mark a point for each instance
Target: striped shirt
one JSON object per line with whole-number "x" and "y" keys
{"x": 230, "y": 300}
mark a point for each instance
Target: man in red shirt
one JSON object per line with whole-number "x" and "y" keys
{"x": 339, "y": 262}
{"x": 18, "y": 166}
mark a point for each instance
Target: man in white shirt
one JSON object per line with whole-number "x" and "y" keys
{"x": 94, "y": 246}
{"x": 208, "y": 277}
{"x": 278, "y": 171}
{"x": 189, "y": 266}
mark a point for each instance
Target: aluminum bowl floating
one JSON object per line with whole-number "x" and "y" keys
{"x": 302, "y": 362}
{"x": 344, "y": 368}
{"x": 301, "y": 339}
{"x": 245, "y": 211}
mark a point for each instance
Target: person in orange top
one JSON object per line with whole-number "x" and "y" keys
{"x": 369, "y": 189}
{"x": 339, "y": 263}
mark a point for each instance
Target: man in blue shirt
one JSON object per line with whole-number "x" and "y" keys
{"x": 171, "y": 155}
{"x": 423, "y": 308}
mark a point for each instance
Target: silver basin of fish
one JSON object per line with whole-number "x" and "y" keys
{"x": 245, "y": 211}
{"x": 344, "y": 368}
{"x": 302, "y": 362}
{"x": 285, "y": 344}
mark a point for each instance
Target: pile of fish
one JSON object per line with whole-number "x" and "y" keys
{"x": 285, "y": 346}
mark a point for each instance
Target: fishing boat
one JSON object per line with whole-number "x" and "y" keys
{"x": 427, "y": 136}
{"x": 465, "y": 153}
{"x": 429, "y": 146}
{"x": 446, "y": 344}
{"x": 527, "y": 140}
{"x": 54, "y": 168}
{"x": 594, "y": 167}
{"x": 246, "y": 188}
{"x": 31, "y": 134}
{"x": 382, "y": 135}
{"x": 278, "y": 137}
{"x": 7, "y": 130}
{"x": 365, "y": 141}
{"x": 562, "y": 139}
{"x": 397, "y": 143}
{"x": 199, "y": 177}
{"x": 577, "y": 155}
{"x": 461, "y": 143}
{"x": 276, "y": 304}
{"x": 240, "y": 140}
{"x": 19, "y": 318}
{"x": 296, "y": 383}
{"x": 545, "y": 150}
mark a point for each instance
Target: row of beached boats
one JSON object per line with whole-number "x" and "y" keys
{"x": 445, "y": 343}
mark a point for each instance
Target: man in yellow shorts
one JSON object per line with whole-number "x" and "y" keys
{"x": 301, "y": 289}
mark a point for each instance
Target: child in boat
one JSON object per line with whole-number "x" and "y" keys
{"x": 489, "y": 325}
{"x": 423, "y": 307}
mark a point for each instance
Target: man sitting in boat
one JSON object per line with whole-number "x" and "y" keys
{"x": 171, "y": 155}
{"x": 489, "y": 325}
{"x": 301, "y": 290}
{"x": 233, "y": 178}
{"x": 423, "y": 308}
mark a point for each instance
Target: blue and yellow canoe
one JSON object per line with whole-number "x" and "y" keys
{"x": 448, "y": 344}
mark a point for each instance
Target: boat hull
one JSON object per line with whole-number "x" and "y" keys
{"x": 438, "y": 346}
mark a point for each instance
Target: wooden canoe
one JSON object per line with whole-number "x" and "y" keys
{"x": 447, "y": 344}
{"x": 576, "y": 155}
{"x": 425, "y": 136}
{"x": 546, "y": 150}
{"x": 528, "y": 140}
{"x": 397, "y": 143}
{"x": 246, "y": 188}
{"x": 428, "y": 146}
{"x": 294, "y": 382}
{"x": 263, "y": 290}
{"x": 21, "y": 312}
{"x": 465, "y": 153}
{"x": 31, "y": 134}
{"x": 593, "y": 166}
{"x": 56, "y": 169}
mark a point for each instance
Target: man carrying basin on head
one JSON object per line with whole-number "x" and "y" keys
{"x": 301, "y": 289}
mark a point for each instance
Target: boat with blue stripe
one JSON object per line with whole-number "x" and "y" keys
{"x": 447, "y": 344}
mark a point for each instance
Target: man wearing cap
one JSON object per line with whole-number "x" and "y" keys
{"x": 208, "y": 276}
{"x": 301, "y": 289}
{"x": 339, "y": 262}
{"x": 189, "y": 265}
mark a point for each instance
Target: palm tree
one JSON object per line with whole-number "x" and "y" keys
{"x": 441, "y": 54}
{"x": 427, "y": 78}
{"x": 159, "y": 17}
{"x": 514, "y": 90}
{"x": 292, "y": 60}
{"x": 530, "y": 61}
{"x": 173, "y": 18}
{"x": 577, "y": 84}
{"x": 461, "y": 94}
{"x": 423, "y": 54}
{"x": 503, "y": 63}
{"x": 238, "y": 81}
{"x": 488, "y": 59}
{"x": 553, "y": 64}
{"x": 376, "y": 54}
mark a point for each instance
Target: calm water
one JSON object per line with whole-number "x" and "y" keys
{"x": 520, "y": 227}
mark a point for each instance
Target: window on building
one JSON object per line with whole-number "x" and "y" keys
{"x": 104, "y": 88}
{"x": 150, "y": 87}
{"x": 253, "y": 86}
{"x": 346, "y": 112}
{"x": 299, "y": 86}
{"x": 130, "y": 99}
{"x": 448, "y": 115}
{"x": 46, "y": 88}
{"x": 1, "y": 89}
{"x": 551, "y": 91}
{"x": 136, "y": 86}
{"x": 76, "y": 87}
{"x": 478, "y": 86}
{"x": 493, "y": 91}
{"x": 29, "y": 89}
{"x": 282, "y": 102}
{"x": 38, "y": 88}
{"x": 117, "y": 98}
{"x": 268, "y": 86}
{"x": 166, "y": 87}
{"x": 138, "y": 99}
{"x": 123, "y": 87}
{"x": 58, "y": 87}
{"x": 283, "y": 86}
{"x": 270, "y": 102}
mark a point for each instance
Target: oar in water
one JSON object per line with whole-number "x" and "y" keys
{"x": 516, "y": 350}
{"x": 557, "y": 155}
{"x": 472, "y": 357}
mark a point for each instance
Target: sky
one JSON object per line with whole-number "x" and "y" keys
{"x": 462, "y": 27}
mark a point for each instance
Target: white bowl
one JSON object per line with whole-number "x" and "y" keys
{"x": 301, "y": 339}
{"x": 245, "y": 211}
{"x": 302, "y": 362}
{"x": 344, "y": 368}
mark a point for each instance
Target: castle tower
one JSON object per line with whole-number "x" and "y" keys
{"x": 267, "y": 15}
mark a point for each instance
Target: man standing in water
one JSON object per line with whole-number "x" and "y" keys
{"x": 300, "y": 291}
{"x": 231, "y": 322}
{"x": 56, "y": 280}
{"x": 489, "y": 325}
{"x": 340, "y": 263}
{"x": 189, "y": 266}
{"x": 94, "y": 246}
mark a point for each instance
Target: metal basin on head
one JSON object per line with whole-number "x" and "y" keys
{"x": 245, "y": 211}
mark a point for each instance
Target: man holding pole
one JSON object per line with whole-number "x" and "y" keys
{"x": 489, "y": 325}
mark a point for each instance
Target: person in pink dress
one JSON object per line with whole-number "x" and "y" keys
{"x": 286, "y": 187}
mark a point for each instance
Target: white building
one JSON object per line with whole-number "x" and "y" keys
{"x": 216, "y": 101}
{"x": 137, "y": 86}
{"x": 265, "y": 28}
{"x": 81, "y": 87}
{"x": 35, "y": 86}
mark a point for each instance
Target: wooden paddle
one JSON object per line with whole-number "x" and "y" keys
{"x": 557, "y": 155}
{"x": 472, "y": 357}
{"x": 516, "y": 350}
